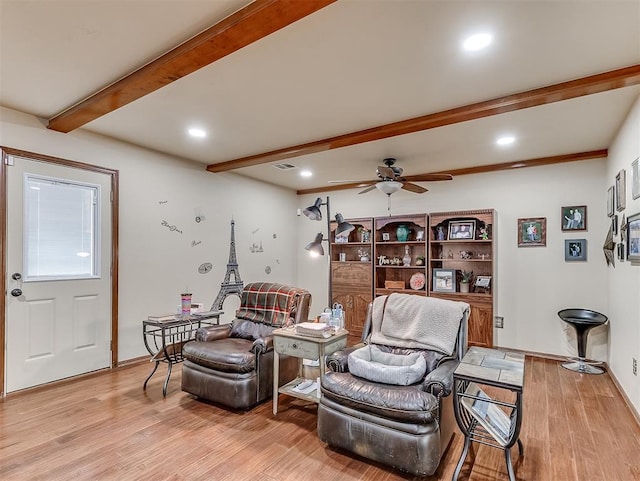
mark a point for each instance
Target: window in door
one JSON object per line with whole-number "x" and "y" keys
{"x": 61, "y": 229}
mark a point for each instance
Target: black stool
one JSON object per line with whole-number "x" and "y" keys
{"x": 582, "y": 320}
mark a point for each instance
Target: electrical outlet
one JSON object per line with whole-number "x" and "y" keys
{"x": 634, "y": 366}
{"x": 498, "y": 322}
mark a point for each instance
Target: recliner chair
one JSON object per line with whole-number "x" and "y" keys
{"x": 407, "y": 427}
{"x": 232, "y": 364}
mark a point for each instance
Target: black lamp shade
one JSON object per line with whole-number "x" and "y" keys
{"x": 313, "y": 211}
{"x": 315, "y": 248}
{"x": 344, "y": 227}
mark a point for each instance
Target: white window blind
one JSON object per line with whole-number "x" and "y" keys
{"x": 61, "y": 229}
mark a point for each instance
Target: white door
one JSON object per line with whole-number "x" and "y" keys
{"x": 58, "y": 319}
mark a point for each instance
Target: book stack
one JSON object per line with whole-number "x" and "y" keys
{"x": 314, "y": 329}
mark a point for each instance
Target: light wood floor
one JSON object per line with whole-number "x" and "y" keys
{"x": 576, "y": 428}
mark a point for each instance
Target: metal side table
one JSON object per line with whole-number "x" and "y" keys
{"x": 482, "y": 419}
{"x": 164, "y": 340}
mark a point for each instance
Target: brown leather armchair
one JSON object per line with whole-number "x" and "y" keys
{"x": 407, "y": 425}
{"x": 232, "y": 364}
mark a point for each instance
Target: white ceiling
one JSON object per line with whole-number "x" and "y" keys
{"x": 351, "y": 66}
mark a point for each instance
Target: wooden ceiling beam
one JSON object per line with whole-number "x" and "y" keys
{"x": 253, "y": 22}
{"x": 480, "y": 169}
{"x": 593, "y": 84}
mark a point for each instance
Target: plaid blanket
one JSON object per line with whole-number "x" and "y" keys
{"x": 269, "y": 303}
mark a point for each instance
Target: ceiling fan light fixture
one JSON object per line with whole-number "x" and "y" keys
{"x": 344, "y": 227}
{"x": 313, "y": 211}
{"x": 315, "y": 248}
{"x": 389, "y": 186}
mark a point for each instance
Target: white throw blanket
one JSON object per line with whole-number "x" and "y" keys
{"x": 419, "y": 322}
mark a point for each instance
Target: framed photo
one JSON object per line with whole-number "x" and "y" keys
{"x": 532, "y": 232}
{"x": 462, "y": 229}
{"x": 620, "y": 247}
{"x": 386, "y": 236}
{"x": 444, "y": 280}
{"x": 614, "y": 224}
{"x": 482, "y": 282}
{"x": 611, "y": 194}
{"x": 621, "y": 191}
{"x": 574, "y": 217}
{"x": 635, "y": 179}
{"x": 633, "y": 239}
{"x": 575, "y": 250}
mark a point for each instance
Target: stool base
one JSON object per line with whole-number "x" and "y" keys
{"x": 583, "y": 367}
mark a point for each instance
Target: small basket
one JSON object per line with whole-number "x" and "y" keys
{"x": 394, "y": 284}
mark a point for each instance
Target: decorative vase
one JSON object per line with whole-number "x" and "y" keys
{"x": 406, "y": 260}
{"x": 402, "y": 233}
{"x": 464, "y": 287}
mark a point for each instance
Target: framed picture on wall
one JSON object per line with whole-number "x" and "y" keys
{"x": 611, "y": 199}
{"x": 575, "y": 250}
{"x": 532, "y": 232}
{"x": 574, "y": 217}
{"x": 621, "y": 191}
{"x": 633, "y": 239}
{"x": 635, "y": 179}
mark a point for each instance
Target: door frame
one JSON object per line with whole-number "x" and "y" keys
{"x": 5, "y": 152}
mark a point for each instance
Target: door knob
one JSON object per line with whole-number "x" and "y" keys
{"x": 16, "y": 276}
{"x": 16, "y": 292}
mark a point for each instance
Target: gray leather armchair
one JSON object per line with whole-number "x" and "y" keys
{"x": 407, "y": 427}
{"x": 232, "y": 364}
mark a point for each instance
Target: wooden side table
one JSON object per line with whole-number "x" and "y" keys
{"x": 479, "y": 416}
{"x": 287, "y": 342}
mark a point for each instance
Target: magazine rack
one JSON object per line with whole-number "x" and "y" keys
{"x": 481, "y": 418}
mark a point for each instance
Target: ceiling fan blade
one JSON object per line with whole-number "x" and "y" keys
{"x": 386, "y": 172}
{"x": 363, "y": 182}
{"x": 414, "y": 188}
{"x": 368, "y": 189}
{"x": 429, "y": 177}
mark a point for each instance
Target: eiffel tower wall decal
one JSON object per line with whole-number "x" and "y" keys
{"x": 229, "y": 287}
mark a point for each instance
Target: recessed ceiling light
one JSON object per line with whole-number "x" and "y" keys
{"x": 477, "y": 42}
{"x": 197, "y": 133}
{"x": 306, "y": 173}
{"x": 506, "y": 140}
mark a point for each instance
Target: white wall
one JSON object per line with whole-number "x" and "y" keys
{"x": 156, "y": 264}
{"x": 533, "y": 283}
{"x": 624, "y": 280}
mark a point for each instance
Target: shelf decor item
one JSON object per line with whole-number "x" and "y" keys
{"x": 417, "y": 281}
{"x": 402, "y": 233}
{"x": 467, "y": 276}
{"x": 444, "y": 280}
{"x": 406, "y": 260}
{"x": 462, "y": 229}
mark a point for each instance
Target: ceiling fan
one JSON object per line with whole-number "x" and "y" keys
{"x": 390, "y": 179}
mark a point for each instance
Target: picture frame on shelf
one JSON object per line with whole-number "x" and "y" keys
{"x": 462, "y": 229}
{"x": 482, "y": 284}
{"x": 444, "y": 280}
{"x": 611, "y": 195}
{"x": 532, "y": 232}
{"x": 621, "y": 192}
{"x": 635, "y": 179}
{"x": 341, "y": 239}
{"x": 575, "y": 250}
{"x": 633, "y": 239}
{"x": 573, "y": 217}
{"x": 386, "y": 236}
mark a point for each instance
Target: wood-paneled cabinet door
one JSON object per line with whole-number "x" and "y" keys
{"x": 355, "y": 312}
{"x": 481, "y": 325}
